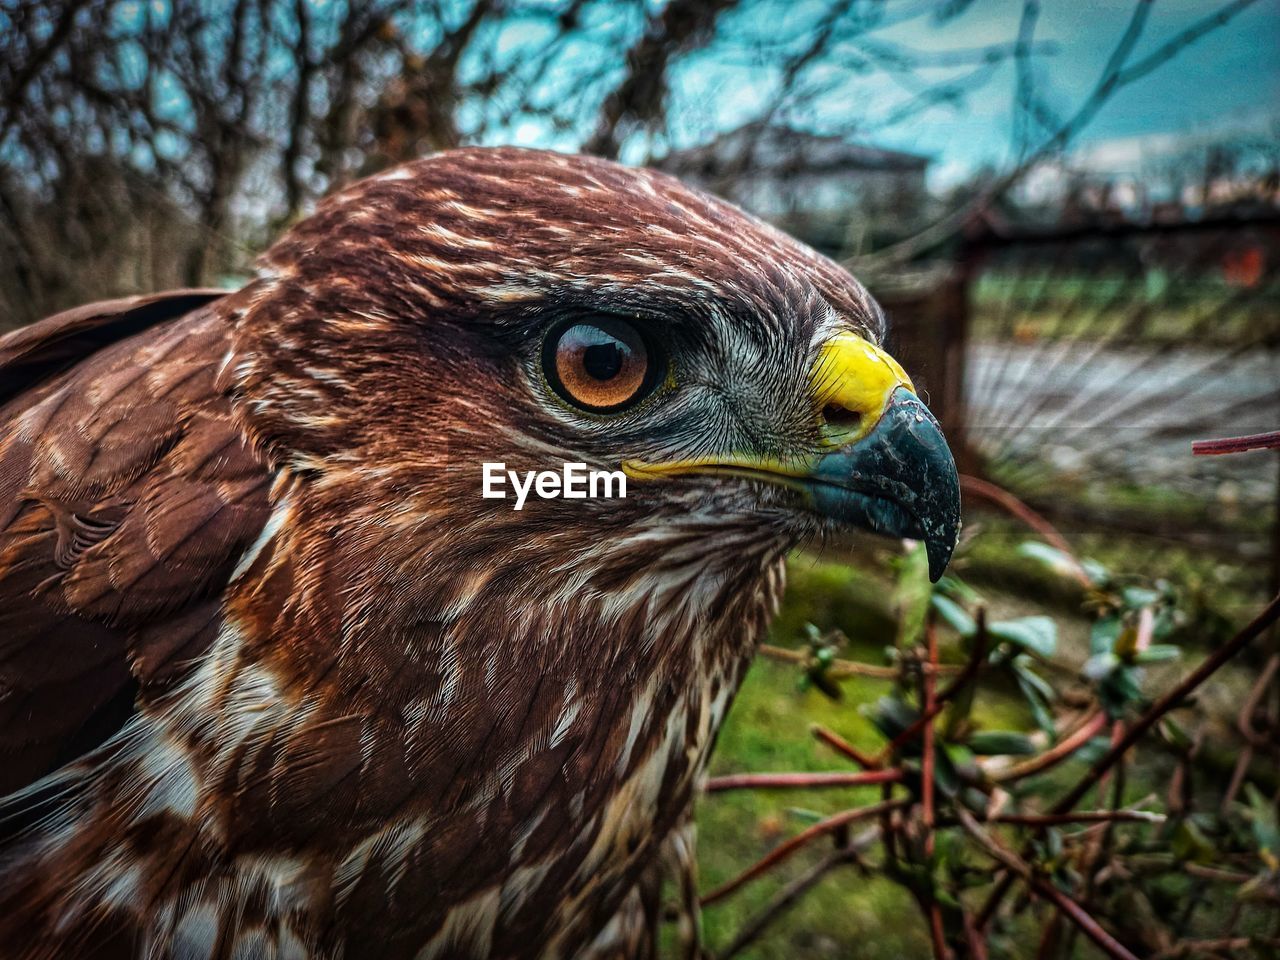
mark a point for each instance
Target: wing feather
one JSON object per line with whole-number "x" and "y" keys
{"x": 127, "y": 495}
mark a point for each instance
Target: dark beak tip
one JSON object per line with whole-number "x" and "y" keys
{"x": 944, "y": 536}
{"x": 939, "y": 554}
{"x": 908, "y": 485}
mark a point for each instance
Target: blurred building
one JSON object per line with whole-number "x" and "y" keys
{"x": 835, "y": 195}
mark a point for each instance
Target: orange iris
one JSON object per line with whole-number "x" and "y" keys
{"x": 600, "y": 366}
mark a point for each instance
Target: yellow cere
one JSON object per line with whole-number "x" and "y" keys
{"x": 858, "y": 376}
{"x": 851, "y": 373}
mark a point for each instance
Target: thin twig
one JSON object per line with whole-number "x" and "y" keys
{"x": 842, "y": 746}
{"x": 1214, "y": 873}
{"x": 1244, "y": 719}
{"x": 1254, "y": 441}
{"x": 1058, "y": 819}
{"x": 788, "y": 847}
{"x": 1056, "y": 754}
{"x": 928, "y": 691}
{"x": 793, "y": 891}
{"x": 805, "y": 781}
{"x": 1170, "y": 700}
{"x": 929, "y": 684}
{"x": 1072, "y": 910}
{"x": 840, "y": 669}
{"x": 1116, "y": 74}
{"x": 977, "y": 658}
{"x": 1002, "y": 498}
{"x": 937, "y": 937}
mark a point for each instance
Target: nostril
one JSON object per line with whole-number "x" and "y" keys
{"x": 842, "y": 418}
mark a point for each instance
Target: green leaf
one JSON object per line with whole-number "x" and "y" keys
{"x": 1039, "y": 710}
{"x": 1092, "y": 750}
{"x": 960, "y": 708}
{"x": 805, "y": 815}
{"x": 945, "y": 774}
{"x": 1100, "y": 665}
{"x": 945, "y": 899}
{"x": 952, "y": 586}
{"x": 1174, "y": 735}
{"x": 1039, "y": 634}
{"x": 954, "y": 615}
{"x": 1096, "y": 572}
{"x": 1022, "y": 667}
{"x": 1051, "y": 557}
{"x": 816, "y": 678}
{"x": 1104, "y": 633}
{"x": 1266, "y": 831}
{"x": 914, "y": 591}
{"x": 960, "y": 756}
{"x": 1189, "y": 843}
{"x": 892, "y": 716}
{"x": 1053, "y": 842}
{"x": 1061, "y": 564}
{"x": 1001, "y": 743}
{"x": 1037, "y": 692}
{"x": 1158, "y": 652}
{"x": 1138, "y": 597}
{"x": 1167, "y": 620}
{"x": 1120, "y": 689}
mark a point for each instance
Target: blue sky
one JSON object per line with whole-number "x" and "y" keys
{"x": 1227, "y": 81}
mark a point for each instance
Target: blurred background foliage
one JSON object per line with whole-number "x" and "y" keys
{"x": 1071, "y": 213}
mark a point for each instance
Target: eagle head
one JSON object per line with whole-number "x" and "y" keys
{"x": 379, "y": 713}
{"x": 531, "y": 309}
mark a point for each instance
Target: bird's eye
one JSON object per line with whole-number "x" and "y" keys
{"x": 601, "y": 366}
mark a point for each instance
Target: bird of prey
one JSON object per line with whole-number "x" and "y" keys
{"x": 277, "y": 681}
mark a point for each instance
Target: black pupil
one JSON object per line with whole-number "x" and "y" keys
{"x": 603, "y": 361}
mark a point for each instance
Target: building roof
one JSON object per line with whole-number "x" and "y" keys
{"x": 777, "y": 148}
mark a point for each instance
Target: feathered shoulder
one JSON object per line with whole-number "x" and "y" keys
{"x": 127, "y": 494}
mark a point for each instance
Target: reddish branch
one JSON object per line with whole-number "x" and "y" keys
{"x": 788, "y": 781}
{"x": 1002, "y": 498}
{"x": 1063, "y": 819}
{"x": 787, "y": 848}
{"x": 1254, "y": 441}
{"x": 1059, "y": 752}
{"x": 928, "y": 684}
{"x": 977, "y": 658}
{"x": 785, "y": 898}
{"x": 840, "y": 745}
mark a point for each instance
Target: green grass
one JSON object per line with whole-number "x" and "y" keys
{"x": 768, "y": 730}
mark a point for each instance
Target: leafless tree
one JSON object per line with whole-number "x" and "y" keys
{"x": 147, "y": 144}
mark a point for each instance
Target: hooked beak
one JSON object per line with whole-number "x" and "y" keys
{"x": 883, "y": 465}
